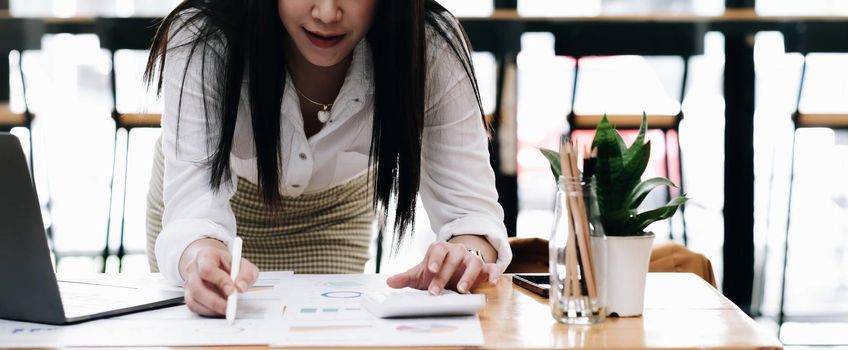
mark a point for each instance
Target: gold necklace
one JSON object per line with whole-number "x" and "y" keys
{"x": 324, "y": 113}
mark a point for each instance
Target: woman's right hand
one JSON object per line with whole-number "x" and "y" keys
{"x": 205, "y": 267}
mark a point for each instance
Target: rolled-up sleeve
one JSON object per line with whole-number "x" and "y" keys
{"x": 193, "y": 210}
{"x": 457, "y": 182}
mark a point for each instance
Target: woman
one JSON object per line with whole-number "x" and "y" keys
{"x": 291, "y": 122}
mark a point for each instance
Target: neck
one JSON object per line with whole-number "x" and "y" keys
{"x": 321, "y": 84}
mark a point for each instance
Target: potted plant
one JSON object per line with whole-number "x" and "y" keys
{"x": 618, "y": 170}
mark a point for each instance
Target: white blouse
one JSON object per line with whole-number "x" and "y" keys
{"x": 457, "y": 185}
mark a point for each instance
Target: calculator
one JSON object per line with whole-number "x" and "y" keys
{"x": 417, "y": 303}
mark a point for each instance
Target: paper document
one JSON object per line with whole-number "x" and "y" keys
{"x": 326, "y": 310}
{"x": 280, "y": 310}
{"x": 259, "y": 321}
{"x": 29, "y": 335}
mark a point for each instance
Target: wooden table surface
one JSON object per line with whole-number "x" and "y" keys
{"x": 681, "y": 312}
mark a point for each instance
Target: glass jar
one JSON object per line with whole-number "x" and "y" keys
{"x": 577, "y": 255}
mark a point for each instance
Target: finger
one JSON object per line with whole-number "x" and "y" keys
{"x": 436, "y": 256}
{"x": 193, "y": 306}
{"x": 209, "y": 270}
{"x": 404, "y": 279}
{"x": 248, "y": 274}
{"x": 224, "y": 258}
{"x": 202, "y": 293}
{"x": 473, "y": 267}
{"x": 450, "y": 264}
{"x": 494, "y": 273}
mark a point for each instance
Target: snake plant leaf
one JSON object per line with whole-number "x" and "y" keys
{"x": 554, "y": 161}
{"x": 618, "y": 139}
{"x": 642, "y": 220}
{"x": 635, "y": 161}
{"x": 620, "y": 142}
{"x": 635, "y": 198}
{"x": 601, "y": 180}
{"x": 615, "y": 222}
{"x": 643, "y": 129}
{"x": 637, "y": 144}
{"x": 606, "y": 180}
{"x": 608, "y": 142}
{"x": 617, "y": 175}
{"x": 608, "y": 166}
{"x": 631, "y": 172}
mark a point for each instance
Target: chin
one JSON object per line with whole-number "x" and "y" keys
{"x": 324, "y": 60}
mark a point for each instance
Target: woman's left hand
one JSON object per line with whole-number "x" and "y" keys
{"x": 447, "y": 265}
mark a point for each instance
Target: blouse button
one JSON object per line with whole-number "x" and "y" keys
{"x": 295, "y": 186}
{"x": 302, "y": 156}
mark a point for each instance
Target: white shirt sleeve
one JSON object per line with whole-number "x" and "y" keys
{"x": 457, "y": 181}
{"x": 193, "y": 210}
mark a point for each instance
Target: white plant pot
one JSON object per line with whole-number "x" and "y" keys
{"x": 627, "y": 267}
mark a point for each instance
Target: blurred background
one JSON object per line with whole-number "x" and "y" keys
{"x": 82, "y": 162}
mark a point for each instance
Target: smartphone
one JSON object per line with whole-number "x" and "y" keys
{"x": 538, "y": 283}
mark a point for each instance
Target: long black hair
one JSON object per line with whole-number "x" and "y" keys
{"x": 249, "y": 38}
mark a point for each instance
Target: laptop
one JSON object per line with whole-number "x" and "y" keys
{"x": 29, "y": 290}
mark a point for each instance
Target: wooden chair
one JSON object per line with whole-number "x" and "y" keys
{"x": 530, "y": 255}
{"x": 124, "y": 34}
{"x": 16, "y": 35}
{"x": 19, "y": 34}
{"x": 808, "y": 38}
{"x": 580, "y": 40}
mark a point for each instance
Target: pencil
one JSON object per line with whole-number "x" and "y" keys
{"x": 570, "y": 253}
{"x": 578, "y": 211}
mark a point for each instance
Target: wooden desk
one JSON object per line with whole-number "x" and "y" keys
{"x": 681, "y": 312}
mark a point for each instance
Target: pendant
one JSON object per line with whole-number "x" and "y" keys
{"x": 323, "y": 116}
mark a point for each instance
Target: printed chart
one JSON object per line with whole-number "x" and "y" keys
{"x": 282, "y": 310}
{"x": 326, "y": 311}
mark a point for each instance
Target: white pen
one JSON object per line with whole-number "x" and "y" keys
{"x": 232, "y": 300}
